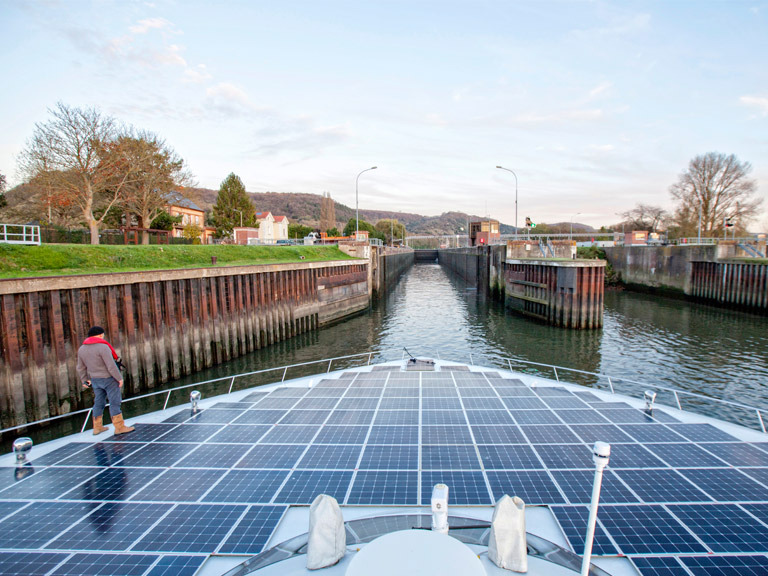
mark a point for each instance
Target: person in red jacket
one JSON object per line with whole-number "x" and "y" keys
{"x": 97, "y": 368}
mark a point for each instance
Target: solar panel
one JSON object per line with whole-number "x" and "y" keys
{"x": 325, "y": 456}
{"x": 252, "y": 532}
{"x": 276, "y": 404}
{"x": 360, "y": 404}
{"x": 550, "y": 434}
{"x": 498, "y": 434}
{"x": 480, "y": 417}
{"x": 723, "y": 527}
{"x": 440, "y": 393}
{"x": 577, "y": 486}
{"x": 442, "y": 417}
{"x": 535, "y": 417}
{"x": 396, "y": 418}
{"x": 661, "y": 486}
{"x": 342, "y": 435}
{"x": 399, "y": 403}
{"x": 211, "y": 416}
{"x": 737, "y": 453}
{"x": 112, "y": 526}
{"x": 591, "y": 433}
{"x": 325, "y": 392}
{"x": 394, "y": 435}
{"x": 565, "y": 455}
{"x": 684, "y": 455}
{"x": 652, "y": 433}
{"x": 465, "y": 488}
{"x": 247, "y": 486}
{"x": 230, "y": 406}
{"x": 179, "y": 485}
{"x": 565, "y": 403}
{"x": 552, "y": 391}
{"x": 177, "y": 566}
{"x": 316, "y": 403}
{"x": 633, "y": 456}
{"x": 40, "y": 522}
{"x": 26, "y": 563}
{"x": 385, "y": 487}
{"x": 143, "y": 433}
{"x": 260, "y": 417}
{"x": 524, "y": 403}
{"x": 304, "y": 485}
{"x": 8, "y": 508}
{"x": 726, "y": 565}
{"x": 534, "y": 487}
{"x": 445, "y": 435}
{"x": 254, "y": 397}
{"x": 287, "y": 392}
{"x": 483, "y": 404}
{"x": 289, "y": 434}
{"x": 188, "y": 433}
{"x": 626, "y": 416}
{"x": 351, "y": 417}
{"x": 101, "y": 454}
{"x": 390, "y": 457}
{"x": 48, "y": 483}
{"x": 478, "y": 392}
{"x": 514, "y": 391}
{"x": 587, "y": 416}
{"x": 659, "y": 566}
{"x": 364, "y": 393}
{"x": 702, "y": 433}
{"x": 195, "y": 528}
{"x": 160, "y": 454}
{"x": 214, "y": 456}
{"x": 727, "y": 484}
{"x": 436, "y": 457}
{"x": 508, "y": 457}
{"x": 647, "y": 530}
{"x": 59, "y": 454}
{"x": 305, "y": 417}
{"x": 114, "y": 484}
{"x": 124, "y": 564}
{"x": 272, "y": 456}
{"x": 390, "y": 392}
{"x": 440, "y": 403}
{"x": 573, "y": 521}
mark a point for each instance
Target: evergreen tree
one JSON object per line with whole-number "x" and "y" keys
{"x": 232, "y": 207}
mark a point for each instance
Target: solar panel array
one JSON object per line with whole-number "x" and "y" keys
{"x": 677, "y": 498}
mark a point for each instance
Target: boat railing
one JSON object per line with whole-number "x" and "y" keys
{"x": 326, "y": 365}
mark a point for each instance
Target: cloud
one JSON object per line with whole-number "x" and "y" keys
{"x": 228, "y": 99}
{"x": 559, "y": 117}
{"x": 297, "y": 135}
{"x": 144, "y": 26}
{"x": 759, "y": 102}
{"x": 601, "y": 88}
{"x": 197, "y": 75}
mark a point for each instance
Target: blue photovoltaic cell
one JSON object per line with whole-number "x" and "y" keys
{"x": 248, "y": 486}
{"x": 587, "y": 396}
{"x": 364, "y": 393}
{"x": 304, "y": 485}
{"x": 390, "y": 457}
{"x": 181, "y": 416}
{"x": 260, "y": 417}
{"x": 113, "y": 526}
{"x": 48, "y": 483}
{"x": 305, "y": 417}
{"x": 550, "y": 434}
{"x": 565, "y": 455}
{"x": 483, "y": 404}
{"x": 573, "y": 521}
{"x": 565, "y": 403}
{"x": 633, "y": 456}
{"x": 662, "y": 486}
{"x": 534, "y": 487}
{"x": 211, "y": 416}
{"x": 230, "y": 406}
{"x": 179, "y": 485}
{"x": 535, "y": 417}
{"x": 325, "y": 392}
{"x": 552, "y": 391}
{"x": 491, "y": 417}
{"x": 524, "y": 403}
{"x": 447, "y": 393}
{"x": 399, "y": 404}
{"x": 577, "y": 485}
{"x": 114, "y": 484}
{"x": 177, "y": 566}
{"x": 702, "y": 433}
{"x": 759, "y": 474}
{"x": 659, "y": 566}
{"x": 8, "y": 508}
{"x": 316, "y": 404}
{"x": 591, "y": 433}
{"x": 738, "y": 453}
{"x": 271, "y": 456}
{"x": 9, "y": 476}
{"x": 28, "y": 563}
{"x": 290, "y": 434}
{"x": 462, "y": 457}
{"x": 58, "y": 455}
{"x": 325, "y": 456}
{"x": 465, "y": 488}
{"x": 723, "y": 527}
{"x": 341, "y": 435}
{"x": 385, "y": 487}
{"x": 390, "y": 392}
{"x": 254, "y": 397}
{"x": 157, "y": 454}
{"x": 587, "y": 416}
{"x": 647, "y": 530}
{"x": 442, "y": 417}
{"x": 727, "y": 565}
{"x": 727, "y": 484}
{"x": 40, "y": 522}
{"x": 445, "y": 435}
{"x": 508, "y": 457}
{"x": 214, "y": 456}
{"x": 486, "y": 393}
{"x": 661, "y": 416}
{"x": 651, "y": 433}
{"x": 360, "y": 404}
{"x": 287, "y": 393}
{"x": 394, "y": 435}
{"x": 195, "y": 528}
{"x": 103, "y": 564}
{"x": 498, "y": 435}
{"x": 684, "y": 455}
{"x": 626, "y": 416}
{"x": 440, "y": 404}
{"x": 276, "y": 404}
{"x": 253, "y": 531}
{"x": 514, "y": 391}
{"x": 143, "y": 432}
{"x": 359, "y": 417}
{"x": 190, "y": 433}
{"x": 101, "y": 454}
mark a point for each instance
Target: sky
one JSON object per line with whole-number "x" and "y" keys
{"x": 595, "y": 106}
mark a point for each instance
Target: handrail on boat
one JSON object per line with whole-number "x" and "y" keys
{"x": 369, "y": 356}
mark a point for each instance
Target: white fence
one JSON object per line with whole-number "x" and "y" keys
{"x": 19, "y": 234}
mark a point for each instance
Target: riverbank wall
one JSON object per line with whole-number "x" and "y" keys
{"x": 165, "y": 324}
{"x": 388, "y": 264}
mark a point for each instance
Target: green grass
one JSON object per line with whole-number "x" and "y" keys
{"x": 67, "y": 259}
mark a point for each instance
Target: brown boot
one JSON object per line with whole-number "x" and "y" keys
{"x": 98, "y": 428}
{"x": 120, "y": 427}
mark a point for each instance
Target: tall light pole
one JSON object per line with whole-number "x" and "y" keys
{"x": 357, "y": 212}
{"x": 572, "y": 217}
{"x": 515, "y": 175}
{"x": 241, "y": 216}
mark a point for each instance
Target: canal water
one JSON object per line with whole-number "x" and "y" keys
{"x": 646, "y": 341}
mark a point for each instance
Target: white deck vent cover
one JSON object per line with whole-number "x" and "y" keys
{"x": 327, "y": 538}
{"x": 507, "y": 546}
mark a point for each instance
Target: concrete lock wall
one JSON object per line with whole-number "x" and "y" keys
{"x": 165, "y": 324}
{"x": 388, "y": 264}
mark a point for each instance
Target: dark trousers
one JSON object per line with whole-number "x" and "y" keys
{"x": 106, "y": 389}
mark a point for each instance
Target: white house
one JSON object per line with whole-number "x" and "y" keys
{"x": 271, "y": 228}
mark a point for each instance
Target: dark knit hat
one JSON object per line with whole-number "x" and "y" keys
{"x": 95, "y": 331}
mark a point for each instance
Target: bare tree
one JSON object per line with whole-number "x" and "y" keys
{"x": 714, "y": 187}
{"x": 152, "y": 171}
{"x": 327, "y": 213}
{"x": 645, "y": 217}
{"x": 2, "y": 190}
{"x": 68, "y": 156}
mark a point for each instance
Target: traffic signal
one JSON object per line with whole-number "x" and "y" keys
{"x": 729, "y": 222}
{"x": 528, "y": 223}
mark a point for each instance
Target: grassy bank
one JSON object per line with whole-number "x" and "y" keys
{"x": 65, "y": 259}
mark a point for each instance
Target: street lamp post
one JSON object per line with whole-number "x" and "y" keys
{"x": 357, "y": 212}
{"x": 572, "y": 217}
{"x": 515, "y": 175}
{"x": 241, "y": 216}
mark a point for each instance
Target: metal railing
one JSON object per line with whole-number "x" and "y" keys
{"x": 367, "y": 359}
{"x": 19, "y": 234}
